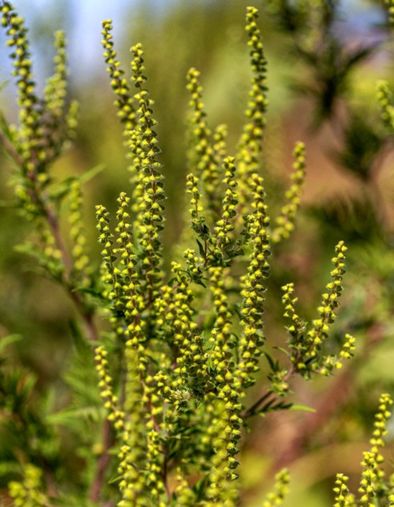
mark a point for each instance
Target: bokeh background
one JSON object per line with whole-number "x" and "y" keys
{"x": 349, "y": 194}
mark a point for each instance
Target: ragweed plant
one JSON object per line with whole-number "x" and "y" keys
{"x": 182, "y": 345}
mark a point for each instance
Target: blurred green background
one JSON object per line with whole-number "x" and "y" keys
{"x": 349, "y": 194}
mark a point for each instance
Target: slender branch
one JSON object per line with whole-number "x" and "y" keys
{"x": 102, "y": 463}
{"x": 252, "y": 410}
{"x": 86, "y": 314}
{"x": 10, "y": 149}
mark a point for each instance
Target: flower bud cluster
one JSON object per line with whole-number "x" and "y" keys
{"x": 150, "y": 206}
{"x": 284, "y": 222}
{"x": 307, "y": 342}
{"x": 385, "y": 101}
{"x": 27, "y": 99}
{"x": 343, "y": 497}
{"x": 28, "y": 493}
{"x": 281, "y": 488}
{"x": 250, "y": 144}
{"x": 77, "y": 233}
{"x": 202, "y": 154}
{"x": 253, "y": 285}
{"x": 224, "y": 227}
{"x": 111, "y": 402}
{"x": 220, "y": 143}
{"x": 119, "y": 83}
{"x": 55, "y": 92}
{"x": 389, "y": 4}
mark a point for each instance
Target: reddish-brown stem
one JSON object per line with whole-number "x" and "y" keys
{"x": 102, "y": 464}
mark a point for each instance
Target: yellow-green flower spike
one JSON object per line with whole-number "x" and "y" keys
{"x": 126, "y": 266}
{"x": 196, "y": 208}
{"x": 119, "y": 83}
{"x": 220, "y": 144}
{"x": 29, "y": 132}
{"x": 133, "y": 449}
{"x": 125, "y": 105}
{"x": 175, "y": 318}
{"x": 343, "y": 497}
{"x": 253, "y": 285}
{"x": 372, "y": 473}
{"x": 220, "y": 341}
{"x": 223, "y": 230}
{"x": 51, "y": 257}
{"x": 284, "y": 222}
{"x": 71, "y": 120}
{"x": 185, "y": 496}
{"x": 150, "y": 207}
{"x": 391, "y": 490}
{"x": 307, "y": 354}
{"x": 58, "y": 122}
{"x": 250, "y": 144}
{"x": 154, "y": 445}
{"x": 317, "y": 335}
{"x": 77, "y": 234}
{"x": 386, "y": 104}
{"x": 225, "y": 432}
{"x": 348, "y": 347}
{"x": 56, "y": 85}
{"x": 289, "y": 300}
{"x": 28, "y": 492}
{"x": 381, "y": 419}
{"x": 110, "y": 400}
{"x": 106, "y": 241}
{"x": 276, "y": 497}
{"x": 389, "y": 4}
{"x": 201, "y": 153}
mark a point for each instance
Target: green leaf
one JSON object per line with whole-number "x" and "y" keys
{"x": 64, "y": 416}
{"x": 297, "y": 407}
{"x": 92, "y": 173}
{"x": 8, "y": 340}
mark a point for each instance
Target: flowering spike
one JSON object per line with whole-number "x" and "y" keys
{"x": 284, "y": 223}
{"x": 220, "y": 341}
{"x": 120, "y": 86}
{"x": 372, "y": 473}
{"x": 202, "y": 160}
{"x": 223, "y": 230}
{"x": 318, "y": 333}
{"x": 389, "y": 4}
{"x": 56, "y": 85}
{"x": 106, "y": 241}
{"x": 250, "y": 144}
{"x": 110, "y": 400}
{"x": 29, "y": 132}
{"x": 220, "y": 143}
{"x": 289, "y": 300}
{"x": 27, "y": 493}
{"x": 77, "y": 234}
{"x": 343, "y": 497}
{"x": 150, "y": 208}
{"x": 71, "y": 119}
{"x": 253, "y": 286}
{"x": 385, "y": 101}
{"x": 281, "y": 488}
